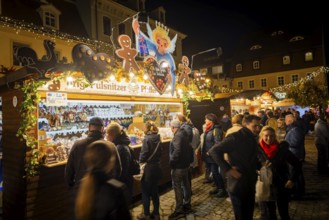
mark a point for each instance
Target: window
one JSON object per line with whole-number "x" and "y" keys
{"x": 286, "y": 60}
{"x": 308, "y": 56}
{"x": 50, "y": 19}
{"x": 162, "y": 17}
{"x": 141, "y": 5}
{"x": 263, "y": 83}
{"x": 107, "y": 26}
{"x": 256, "y": 65}
{"x": 122, "y": 29}
{"x": 49, "y": 16}
{"x": 240, "y": 85}
{"x": 251, "y": 84}
{"x": 238, "y": 67}
{"x": 224, "y": 86}
{"x": 217, "y": 70}
{"x": 280, "y": 80}
{"x": 294, "y": 78}
{"x": 310, "y": 76}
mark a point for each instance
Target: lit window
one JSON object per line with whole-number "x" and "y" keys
{"x": 286, "y": 60}
{"x": 238, "y": 67}
{"x": 251, "y": 84}
{"x": 308, "y": 56}
{"x": 294, "y": 78}
{"x": 263, "y": 82}
{"x": 107, "y": 25}
{"x": 280, "y": 80}
{"x": 310, "y": 76}
{"x": 256, "y": 65}
{"x": 240, "y": 85}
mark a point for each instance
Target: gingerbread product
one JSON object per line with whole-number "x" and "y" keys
{"x": 127, "y": 53}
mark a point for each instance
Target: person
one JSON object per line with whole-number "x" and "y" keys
{"x": 225, "y": 122}
{"x": 75, "y": 167}
{"x": 236, "y": 124}
{"x": 281, "y": 129}
{"x": 115, "y": 134}
{"x": 277, "y": 156}
{"x": 321, "y": 141}
{"x": 101, "y": 196}
{"x": 179, "y": 163}
{"x": 271, "y": 120}
{"x": 188, "y": 128}
{"x": 241, "y": 148}
{"x": 295, "y": 137}
{"x": 151, "y": 155}
{"x": 213, "y": 134}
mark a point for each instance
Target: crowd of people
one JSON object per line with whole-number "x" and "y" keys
{"x": 233, "y": 151}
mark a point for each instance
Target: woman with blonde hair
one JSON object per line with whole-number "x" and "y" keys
{"x": 100, "y": 195}
{"x": 285, "y": 169}
{"x": 150, "y": 154}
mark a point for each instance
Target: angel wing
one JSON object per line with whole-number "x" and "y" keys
{"x": 172, "y": 47}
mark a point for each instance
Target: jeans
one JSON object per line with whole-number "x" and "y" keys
{"x": 243, "y": 205}
{"x": 218, "y": 179}
{"x": 149, "y": 190}
{"x": 179, "y": 182}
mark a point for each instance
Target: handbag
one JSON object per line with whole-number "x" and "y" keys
{"x": 264, "y": 185}
{"x": 139, "y": 176}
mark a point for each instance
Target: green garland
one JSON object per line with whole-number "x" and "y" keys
{"x": 31, "y": 98}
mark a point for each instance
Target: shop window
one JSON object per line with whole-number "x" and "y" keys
{"x": 107, "y": 26}
{"x": 263, "y": 82}
{"x": 238, "y": 67}
{"x": 286, "y": 60}
{"x": 122, "y": 29}
{"x": 280, "y": 80}
{"x": 294, "y": 78}
{"x": 256, "y": 65}
{"x": 240, "y": 85}
{"x": 251, "y": 84}
{"x": 308, "y": 56}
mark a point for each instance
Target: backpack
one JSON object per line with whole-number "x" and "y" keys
{"x": 195, "y": 138}
{"x": 134, "y": 168}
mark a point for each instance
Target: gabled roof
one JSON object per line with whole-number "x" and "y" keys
{"x": 27, "y": 11}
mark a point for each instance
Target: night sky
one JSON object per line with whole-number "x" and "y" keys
{"x": 222, "y": 23}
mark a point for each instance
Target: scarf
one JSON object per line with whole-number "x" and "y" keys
{"x": 270, "y": 150}
{"x": 208, "y": 126}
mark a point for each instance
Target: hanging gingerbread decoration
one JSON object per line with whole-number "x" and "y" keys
{"x": 184, "y": 71}
{"x": 127, "y": 53}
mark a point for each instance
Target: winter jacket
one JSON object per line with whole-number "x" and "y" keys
{"x": 296, "y": 138}
{"x": 321, "y": 131}
{"x": 212, "y": 136}
{"x": 75, "y": 167}
{"x": 122, "y": 144}
{"x": 284, "y": 165}
{"x": 179, "y": 147}
{"x": 241, "y": 148}
{"x": 152, "y": 170}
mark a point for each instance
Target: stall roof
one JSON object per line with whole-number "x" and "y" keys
{"x": 250, "y": 94}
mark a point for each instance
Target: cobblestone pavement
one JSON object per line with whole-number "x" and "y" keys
{"x": 314, "y": 205}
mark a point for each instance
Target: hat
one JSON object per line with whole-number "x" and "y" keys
{"x": 96, "y": 121}
{"x": 175, "y": 123}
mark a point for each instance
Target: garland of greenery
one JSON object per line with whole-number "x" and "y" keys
{"x": 31, "y": 98}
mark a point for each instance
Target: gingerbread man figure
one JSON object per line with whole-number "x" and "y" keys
{"x": 184, "y": 71}
{"x": 127, "y": 53}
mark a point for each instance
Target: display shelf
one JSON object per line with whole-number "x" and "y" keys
{"x": 67, "y": 132}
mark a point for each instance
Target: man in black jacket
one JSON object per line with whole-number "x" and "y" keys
{"x": 76, "y": 168}
{"x": 240, "y": 171}
{"x": 179, "y": 163}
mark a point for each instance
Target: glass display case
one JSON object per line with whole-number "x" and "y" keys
{"x": 60, "y": 126}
